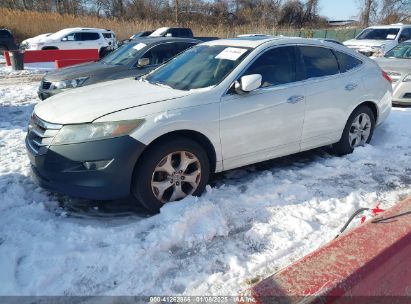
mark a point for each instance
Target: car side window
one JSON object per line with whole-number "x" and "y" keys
{"x": 89, "y": 36}
{"x": 72, "y": 37}
{"x": 346, "y": 61}
{"x": 276, "y": 66}
{"x": 161, "y": 53}
{"x": 404, "y": 36}
{"x": 318, "y": 62}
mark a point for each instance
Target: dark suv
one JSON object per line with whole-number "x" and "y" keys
{"x": 7, "y": 41}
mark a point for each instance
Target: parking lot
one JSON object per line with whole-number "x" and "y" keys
{"x": 251, "y": 221}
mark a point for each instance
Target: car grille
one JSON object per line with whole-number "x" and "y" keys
{"x": 40, "y": 135}
{"x": 45, "y": 85}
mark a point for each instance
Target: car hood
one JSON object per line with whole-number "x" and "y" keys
{"x": 86, "y": 104}
{"x": 365, "y": 42}
{"x": 83, "y": 70}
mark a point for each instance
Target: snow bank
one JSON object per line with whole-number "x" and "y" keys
{"x": 251, "y": 221}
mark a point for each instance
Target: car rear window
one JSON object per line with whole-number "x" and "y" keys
{"x": 347, "y": 62}
{"x": 318, "y": 62}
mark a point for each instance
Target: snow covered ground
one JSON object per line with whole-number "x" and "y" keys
{"x": 250, "y": 223}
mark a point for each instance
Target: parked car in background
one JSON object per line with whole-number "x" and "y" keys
{"x": 76, "y": 38}
{"x": 141, "y": 34}
{"x": 131, "y": 59}
{"x": 26, "y": 43}
{"x": 397, "y": 64}
{"x": 7, "y": 41}
{"x": 377, "y": 40}
{"x": 183, "y": 32}
{"x": 217, "y": 106}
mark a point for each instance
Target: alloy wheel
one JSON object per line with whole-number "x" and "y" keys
{"x": 176, "y": 176}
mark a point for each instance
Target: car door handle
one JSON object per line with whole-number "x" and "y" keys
{"x": 295, "y": 99}
{"x": 351, "y": 86}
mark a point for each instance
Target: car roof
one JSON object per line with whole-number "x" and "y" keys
{"x": 155, "y": 40}
{"x": 256, "y": 41}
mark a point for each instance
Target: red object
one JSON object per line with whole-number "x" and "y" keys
{"x": 371, "y": 260}
{"x": 69, "y": 62}
{"x": 7, "y": 57}
{"x": 377, "y": 210}
{"x": 385, "y": 75}
{"x": 53, "y": 55}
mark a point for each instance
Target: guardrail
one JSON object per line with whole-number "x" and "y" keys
{"x": 371, "y": 260}
{"x": 61, "y": 58}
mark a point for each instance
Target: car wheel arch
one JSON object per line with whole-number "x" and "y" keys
{"x": 199, "y": 137}
{"x": 370, "y": 104}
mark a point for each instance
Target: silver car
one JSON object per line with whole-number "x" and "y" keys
{"x": 397, "y": 64}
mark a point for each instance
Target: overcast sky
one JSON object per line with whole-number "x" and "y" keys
{"x": 339, "y": 9}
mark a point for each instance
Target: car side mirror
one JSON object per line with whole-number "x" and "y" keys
{"x": 248, "y": 83}
{"x": 143, "y": 62}
{"x": 64, "y": 39}
{"x": 169, "y": 35}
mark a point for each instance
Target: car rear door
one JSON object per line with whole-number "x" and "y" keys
{"x": 267, "y": 122}
{"x": 330, "y": 96}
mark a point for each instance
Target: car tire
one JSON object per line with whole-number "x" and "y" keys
{"x": 170, "y": 170}
{"x": 357, "y": 132}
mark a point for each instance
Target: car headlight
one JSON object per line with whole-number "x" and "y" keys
{"x": 67, "y": 84}
{"x": 71, "y": 134}
{"x": 407, "y": 78}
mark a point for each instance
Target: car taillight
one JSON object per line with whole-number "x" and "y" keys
{"x": 385, "y": 75}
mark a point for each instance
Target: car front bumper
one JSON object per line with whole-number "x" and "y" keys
{"x": 63, "y": 169}
{"x": 402, "y": 93}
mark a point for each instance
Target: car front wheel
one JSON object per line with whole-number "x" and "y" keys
{"x": 170, "y": 171}
{"x": 357, "y": 132}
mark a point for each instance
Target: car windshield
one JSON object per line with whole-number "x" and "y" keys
{"x": 124, "y": 55}
{"x": 402, "y": 51}
{"x": 379, "y": 34}
{"x": 199, "y": 67}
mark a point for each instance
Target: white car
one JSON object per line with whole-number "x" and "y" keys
{"x": 26, "y": 43}
{"x": 217, "y": 106}
{"x": 397, "y": 64}
{"x": 377, "y": 40}
{"x": 75, "y": 38}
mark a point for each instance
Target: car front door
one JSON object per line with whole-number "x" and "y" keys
{"x": 330, "y": 95}
{"x": 265, "y": 123}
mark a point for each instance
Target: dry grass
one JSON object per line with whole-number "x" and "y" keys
{"x": 25, "y": 24}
